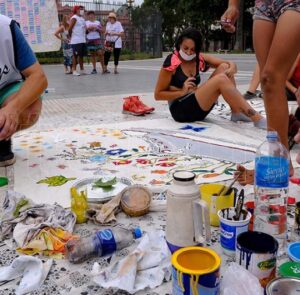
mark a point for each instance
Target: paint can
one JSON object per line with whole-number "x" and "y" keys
{"x": 256, "y": 251}
{"x": 230, "y": 228}
{"x": 283, "y": 286}
{"x": 195, "y": 271}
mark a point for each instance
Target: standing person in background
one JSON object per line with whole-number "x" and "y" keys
{"x": 113, "y": 41}
{"x": 77, "y": 33}
{"x": 276, "y": 31}
{"x": 62, "y": 34}
{"x": 252, "y": 91}
{"x": 22, "y": 82}
{"x": 94, "y": 30}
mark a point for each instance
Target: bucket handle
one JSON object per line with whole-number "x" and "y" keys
{"x": 200, "y": 210}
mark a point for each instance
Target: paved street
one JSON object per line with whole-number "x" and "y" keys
{"x": 135, "y": 77}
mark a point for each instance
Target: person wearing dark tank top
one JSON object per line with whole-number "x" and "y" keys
{"x": 179, "y": 83}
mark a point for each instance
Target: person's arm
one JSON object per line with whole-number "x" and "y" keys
{"x": 214, "y": 62}
{"x": 163, "y": 90}
{"x": 230, "y": 16}
{"x": 72, "y": 24}
{"x": 58, "y": 32}
{"x": 34, "y": 85}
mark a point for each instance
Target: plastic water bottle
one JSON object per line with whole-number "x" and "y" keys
{"x": 101, "y": 243}
{"x": 271, "y": 189}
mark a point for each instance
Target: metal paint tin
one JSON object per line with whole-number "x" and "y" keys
{"x": 283, "y": 286}
{"x": 195, "y": 271}
{"x": 256, "y": 251}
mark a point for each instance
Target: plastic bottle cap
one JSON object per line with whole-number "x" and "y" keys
{"x": 290, "y": 269}
{"x": 3, "y": 181}
{"x": 137, "y": 233}
{"x": 272, "y": 135}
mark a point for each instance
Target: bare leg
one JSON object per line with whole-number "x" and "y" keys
{"x": 208, "y": 93}
{"x": 101, "y": 59}
{"x": 221, "y": 69}
{"x": 276, "y": 49}
{"x": 94, "y": 60}
{"x": 74, "y": 65}
{"x": 81, "y": 62}
{"x": 254, "y": 80}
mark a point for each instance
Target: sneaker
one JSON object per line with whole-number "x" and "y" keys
{"x": 249, "y": 95}
{"x": 82, "y": 72}
{"x": 75, "y": 73}
{"x": 138, "y": 102}
{"x": 130, "y": 107}
{"x": 106, "y": 72}
{"x": 7, "y": 157}
{"x": 94, "y": 71}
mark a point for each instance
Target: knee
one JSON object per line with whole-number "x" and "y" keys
{"x": 34, "y": 112}
{"x": 223, "y": 67}
{"x": 270, "y": 79}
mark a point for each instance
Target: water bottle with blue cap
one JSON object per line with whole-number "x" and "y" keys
{"x": 271, "y": 188}
{"x": 102, "y": 243}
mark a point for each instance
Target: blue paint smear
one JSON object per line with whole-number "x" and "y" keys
{"x": 193, "y": 128}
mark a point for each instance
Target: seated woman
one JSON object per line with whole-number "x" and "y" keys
{"x": 179, "y": 78}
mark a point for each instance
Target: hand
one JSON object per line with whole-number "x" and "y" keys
{"x": 245, "y": 176}
{"x": 189, "y": 85}
{"x": 231, "y": 70}
{"x": 9, "y": 121}
{"x": 228, "y": 19}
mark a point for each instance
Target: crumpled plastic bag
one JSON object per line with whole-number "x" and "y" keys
{"x": 239, "y": 281}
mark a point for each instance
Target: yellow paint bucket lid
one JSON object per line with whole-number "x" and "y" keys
{"x": 196, "y": 260}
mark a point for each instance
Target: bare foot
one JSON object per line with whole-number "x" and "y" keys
{"x": 246, "y": 176}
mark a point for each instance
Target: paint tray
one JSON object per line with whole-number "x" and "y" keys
{"x": 99, "y": 194}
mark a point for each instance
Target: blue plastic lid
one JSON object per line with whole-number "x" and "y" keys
{"x": 137, "y": 232}
{"x": 272, "y": 135}
{"x": 294, "y": 251}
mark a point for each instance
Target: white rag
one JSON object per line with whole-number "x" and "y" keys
{"x": 147, "y": 266}
{"x": 32, "y": 270}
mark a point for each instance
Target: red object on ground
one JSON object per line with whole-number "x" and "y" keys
{"x": 291, "y": 200}
{"x": 295, "y": 180}
{"x": 138, "y": 102}
{"x": 130, "y": 107}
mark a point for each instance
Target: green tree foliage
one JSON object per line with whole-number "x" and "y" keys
{"x": 180, "y": 14}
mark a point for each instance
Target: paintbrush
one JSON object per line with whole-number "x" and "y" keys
{"x": 225, "y": 191}
{"x": 239, "y": 205}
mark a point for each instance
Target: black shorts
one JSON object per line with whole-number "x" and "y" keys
{"x": 187, "y": 109}
{"x": 79, "y": 49}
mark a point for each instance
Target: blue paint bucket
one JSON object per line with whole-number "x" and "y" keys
{"x": 195, "y": 271}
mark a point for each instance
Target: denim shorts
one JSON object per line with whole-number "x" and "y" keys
{"x": 271, "y": 10}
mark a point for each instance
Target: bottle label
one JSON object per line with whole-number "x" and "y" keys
{"x": 271, "y": 172}
{"x": 107, "y": 241}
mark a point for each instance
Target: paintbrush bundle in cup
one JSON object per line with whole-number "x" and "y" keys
{"x": 226, "y": 190}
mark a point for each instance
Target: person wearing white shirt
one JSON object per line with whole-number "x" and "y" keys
{"x": 77, "y": 32}
{"x": 94, "y": 44}
{"x": 113, "y": 41}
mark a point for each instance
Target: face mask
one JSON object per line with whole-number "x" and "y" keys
{"x": 81, "y": 12}
{"x": 185, "y": 56}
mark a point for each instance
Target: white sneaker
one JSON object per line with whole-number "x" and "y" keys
{"x": 75, "y": 73}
